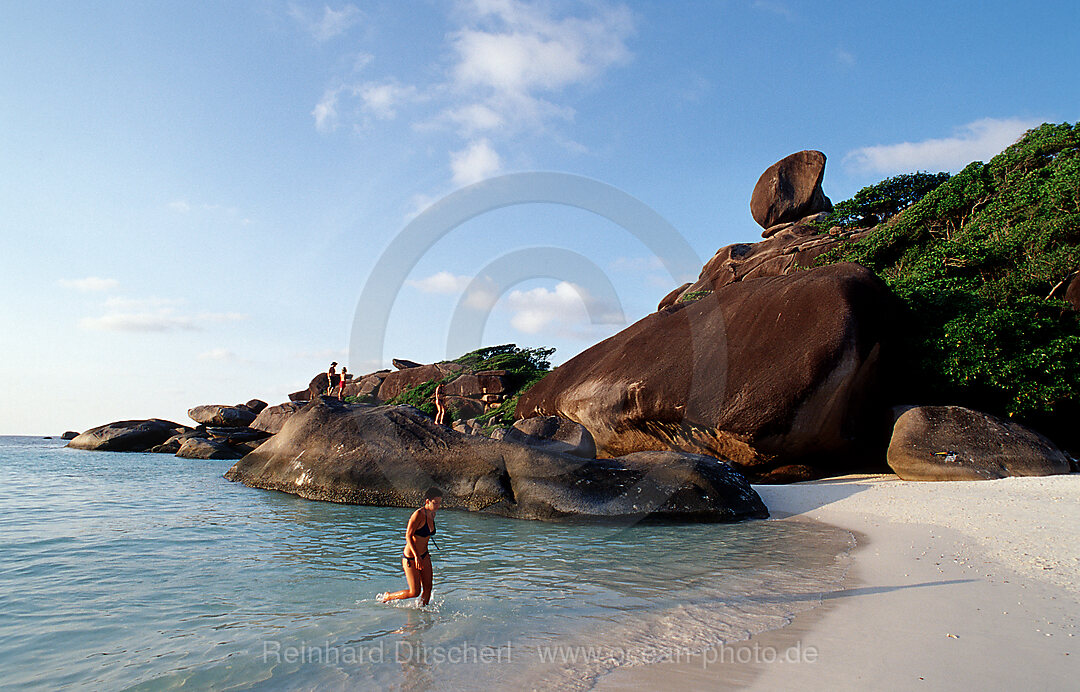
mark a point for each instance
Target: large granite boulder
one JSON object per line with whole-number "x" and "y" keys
{"x": 219, "y": 414}
{"x": 463, "y": 408}
{"x": 366, "y": 386}
{"x": 127, "y": 435}
{"x": 673, "y": 297}
{"x": 389, "y": 455}
{"x": 69, "y": 435}
{"x": 790, "y": 190}
{"x": 953, "y": 443}
{"x": 768, "y": 372}
{"x": 199, "y": 448}
{"x": 316, "y": 388}
{"x": 397, "y": 382}
{"x": 272, "y": 418}
{"x": 173, "y": 444}
{"x": 403, "y": 364}
{"x": 554, "y": 434}
{"x": 478, "y": 384}
{"x": 256, "y": 406}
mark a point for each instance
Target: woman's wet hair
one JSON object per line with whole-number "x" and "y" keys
{"x": 432, "y": 493}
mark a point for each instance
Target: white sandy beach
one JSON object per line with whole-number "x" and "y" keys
{"x": 955, "y": 586}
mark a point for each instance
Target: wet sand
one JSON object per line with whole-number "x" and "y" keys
{"x": 954, "y": 586}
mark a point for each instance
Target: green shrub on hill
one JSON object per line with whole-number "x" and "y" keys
{"x": 981, "y": 261}
{"x": 524, "y": 367}
{"x": 880, "y": 202}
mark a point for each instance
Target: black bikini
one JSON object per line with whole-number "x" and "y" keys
{"x": 423, "y": 530}
{"x": 426, "y": 533}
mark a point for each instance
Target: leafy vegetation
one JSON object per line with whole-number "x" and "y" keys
{"x": 981, "y": 260}
{"x": 693, "y": 296}
{"x": 880, "y": 202}
{"x": 524, "y": 367}
{"x": 422, "y": 396}
{"x": 361, "y": 399}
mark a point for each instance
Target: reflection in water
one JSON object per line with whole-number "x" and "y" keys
{"x": 410, "y": 651}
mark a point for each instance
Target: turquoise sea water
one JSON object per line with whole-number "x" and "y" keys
{"x": 152, "y": 572}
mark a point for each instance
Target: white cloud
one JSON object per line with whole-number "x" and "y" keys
{"x": 325, "y": 111}
{"x": 118, "y": 303}
{"x": 441, "y": 282}
{"x": 524, "y": 48}
{"x": 777, "y": 8}
{"x": 90, "y": 284}
{"x": 181, "y": 206}
{"x": 160, "y": 321}
{"x": 560, "y": 312}
{"x": 475, "y": 117}
{"x": 976, "y": 141}
{"x": 507, "y": 65}
{"x": 382, "y": 100}
{"x": 474, "y": 163}
{"x": 331, "y": 24}
{"x": 513, "y": 56}
{"x": 844, "y": 57}
{"x": 217, "y": 354}
{"x": 153, "y": 315}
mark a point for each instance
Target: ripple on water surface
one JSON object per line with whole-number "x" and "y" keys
{"x": 150, "y": 571}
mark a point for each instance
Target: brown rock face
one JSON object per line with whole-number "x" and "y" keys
{"x": 554, "y": 433}
{"x": 790, "y": 190}
{"x": 317, "y": 387}
{"x": 786, "y": 252}
{"x": 463, "y": 408}
{"x": 952, "y": 443}
{"x": 272, "y": 418}
{"x": 127, "y": 435}
{"x": 197, "y": 448}
{"x": 368, "y": 385}
{"x": 389, "y": 455}
{"x": 218, "y": 414}
{"x": 673, "y": 297}
{"x": 488, "y": 382}
{"x": 397, "y": 382}
{"x": 766, "y": 372}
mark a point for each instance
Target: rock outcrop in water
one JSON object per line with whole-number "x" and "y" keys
{"x": 127, "y": 435}
{"x": 218, "y": 414}
{"x": 389, "y": 455}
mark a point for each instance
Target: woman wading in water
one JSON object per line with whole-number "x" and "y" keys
{"x": 415, "y": 559}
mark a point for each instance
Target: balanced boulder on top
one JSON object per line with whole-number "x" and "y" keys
{"x": 790, "y": 190}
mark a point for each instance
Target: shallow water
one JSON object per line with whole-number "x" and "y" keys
{"x": 153, "y": 572}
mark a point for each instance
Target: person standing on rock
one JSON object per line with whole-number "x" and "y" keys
{"x": 334, "y": 378}
{"x": 440, "y": 407}
{"x": 415, "y": 559}
{"x": 341, "y": 384}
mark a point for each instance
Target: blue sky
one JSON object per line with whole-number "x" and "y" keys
{"x": 192, "y": 196}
